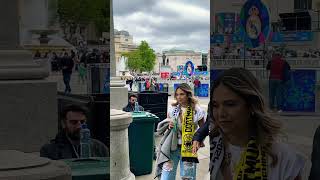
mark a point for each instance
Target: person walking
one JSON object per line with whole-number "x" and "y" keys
{"x": 276, "y": 67}
{"x": 67, "y": 66}
{"x": 197, "y": 85}
{"x": 184, "y": 117}
{"x": 243, "y": 137}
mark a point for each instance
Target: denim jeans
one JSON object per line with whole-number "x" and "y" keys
{"x": 66, "y": 80}
{"x": 196, "y": 91}
{"x": 276, "y": 92}
{"x": 187, "y": 169}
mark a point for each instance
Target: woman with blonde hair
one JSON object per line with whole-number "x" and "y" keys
{"x": 184, "y": 117}
{"x": 243, "y": 137}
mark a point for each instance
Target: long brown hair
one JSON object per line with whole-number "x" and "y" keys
{"x": 187, "y": 89}
{"x": 243, "y": 83}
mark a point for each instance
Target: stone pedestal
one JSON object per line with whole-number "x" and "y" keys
{"x": 120, "y": 163}
{"x": 18, "y": 165}
{"x": 28, "y": 111}
{"x": 18, "y": 64}
{"x": 118, "y": 93}
{"x": 28, "y": 105}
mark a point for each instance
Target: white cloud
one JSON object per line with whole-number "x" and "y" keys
{"x": 166, "y": 24}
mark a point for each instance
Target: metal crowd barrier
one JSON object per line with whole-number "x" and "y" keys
{"x": 98, "y": 78}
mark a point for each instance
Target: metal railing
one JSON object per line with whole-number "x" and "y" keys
{"x": 295, "y": 63}
{"x": 98, "y": 78}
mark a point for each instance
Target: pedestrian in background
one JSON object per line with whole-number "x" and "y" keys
{"x": 67, "y": 66}
{"x": 197, "y": 85}
{"x": 276, "y": 67}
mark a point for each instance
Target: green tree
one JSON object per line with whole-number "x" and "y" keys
{"x": 142, "y": 59}
{"x": 75, "y": 13}
{"x": 133, "y": 60}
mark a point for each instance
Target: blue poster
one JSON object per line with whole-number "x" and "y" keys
{"x": 175, "y": 74}
{"x": 255, "y": 23}
{"x": 217, "y": 39}
{"x": 201, "y": 73}
{"x": 189, "y": 68}
{"x": 214, "y": 74}
{"x": 290, "y": 36}
{"x": 204, "y": 90}
{"x": 300, "y": 92}
{"x": 175, "y": 86}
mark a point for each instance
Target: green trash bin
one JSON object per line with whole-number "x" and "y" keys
{"x": 141, "y": 142}
{"x": 97, "y": 168}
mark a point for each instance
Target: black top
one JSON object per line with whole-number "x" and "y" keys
{"x": 62, "y": 148}
{"x": 68, "y": 62}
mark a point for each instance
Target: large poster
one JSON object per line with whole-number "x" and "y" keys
{"x": 290, "y": 36}
{"x": 255, "y": 25}
{"x": 225, "y": 23}
{"x": 300, "y": 91}
{"x": 204, "y": 90}
{"x": 214, "y": 73}
{"x": 189, "y": 68}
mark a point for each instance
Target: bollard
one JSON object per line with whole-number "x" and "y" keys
{"x": 119, "y": 144}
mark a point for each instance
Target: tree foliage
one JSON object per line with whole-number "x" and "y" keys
{"x": 142, "y": 59}
{"x": 83, "y": 12}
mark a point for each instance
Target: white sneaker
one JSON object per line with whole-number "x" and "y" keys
{"x": 280, "y": 111}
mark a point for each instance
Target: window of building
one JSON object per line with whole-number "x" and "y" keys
{"x": 204, "y": 58}
{"x": 168, "y": 62}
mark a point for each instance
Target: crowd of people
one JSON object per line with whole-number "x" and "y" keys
{"x": 238, "y": 52}
{"x": 150, "y": 83}
{"x": 73, "y": 60}
{"x": 80, "y": 58}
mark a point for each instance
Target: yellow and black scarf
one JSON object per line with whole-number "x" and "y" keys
{"x": 252, "y": 164}
{"x": 188, "y": 131}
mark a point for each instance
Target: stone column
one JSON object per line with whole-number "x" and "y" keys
{"x": 112, "y": 48}
{"x": 119, "y": 120}
{"x": 119, "y": 152}
{"x": 118, "y": 91}
{"x": 28, "y": 105}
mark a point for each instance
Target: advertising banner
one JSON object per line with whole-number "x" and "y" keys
{"x": 255, "y": 23}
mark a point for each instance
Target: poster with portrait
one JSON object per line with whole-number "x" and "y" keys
{"x": 189, "y": 68}
{"x": 255, "y": 23}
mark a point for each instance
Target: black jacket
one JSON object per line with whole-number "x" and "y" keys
{"x": 315, "y": 157}
{"x": 61, "y": 148}
{"x": 202, "y": 132}
{"x": 130, "y": 108}
{"x": 68, "y": 62}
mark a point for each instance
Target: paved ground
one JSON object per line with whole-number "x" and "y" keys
{"x": 298, "y": 128}
{"x": 77, "y": 86}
